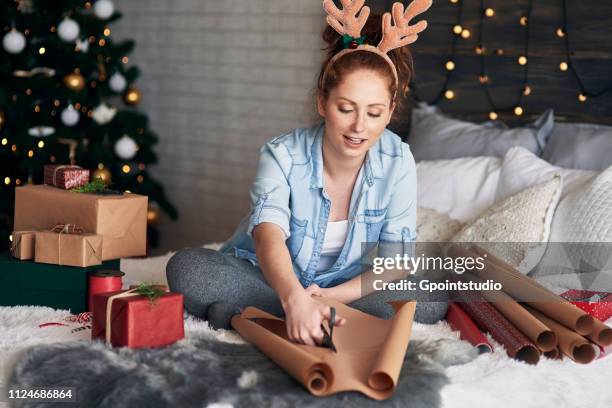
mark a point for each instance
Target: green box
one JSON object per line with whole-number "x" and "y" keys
{"x": 39, "y": 284}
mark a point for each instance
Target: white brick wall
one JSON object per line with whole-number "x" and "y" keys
{"x": 219, "y": 78}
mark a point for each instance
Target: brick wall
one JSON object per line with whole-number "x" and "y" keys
{"x": 219, "y": 78}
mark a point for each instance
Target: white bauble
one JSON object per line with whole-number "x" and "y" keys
{"x": 68, "y": 30}
{"x": 82, "y": 45}
{"x": 126, "y": 148}
{"x": 103, "y": 9}
{"x": 70, "y": 116}
{"x": 103, "y": 114}
{"x": 117, "y": 82}
{"x": 14, "y": 42}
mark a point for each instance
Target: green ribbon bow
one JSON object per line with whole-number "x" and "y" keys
{"x": 347, "y": 40}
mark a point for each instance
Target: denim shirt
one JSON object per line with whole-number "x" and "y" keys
{"x": 288, "y": 191}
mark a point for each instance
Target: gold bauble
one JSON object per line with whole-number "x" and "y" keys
{"x": 132, "y": 96}
{"x": 152, "y": 215}
{"x": 74, "y": 81}
{"x": 102, "y": 173}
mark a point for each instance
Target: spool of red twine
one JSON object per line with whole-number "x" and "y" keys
{"x": 102, "y": 281}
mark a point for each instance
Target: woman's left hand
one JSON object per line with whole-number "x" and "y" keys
{"x": 315, "y": 290}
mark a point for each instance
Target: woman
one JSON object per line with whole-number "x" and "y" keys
{"x": 320, "y": 194}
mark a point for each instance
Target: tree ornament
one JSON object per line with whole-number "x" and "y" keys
{"x": 126, "y": 148}
{"x": 70, "y": 116}
{"x": 41, "y": 131}
{"x": 68, "y": 30}
{"x": 1, "y": 119}
{"x": 103, "y": 114}
{"x": 117, "y": 82}
{"x": 82, "y": 45}
{"x": 132, "y": 96}
{"x": 103, "y": 174}
{"x": 14, "y": 42}
{"x": 103, "y": 9}
{"x": 152, "y": 215}
{"x": 74, "y": 81}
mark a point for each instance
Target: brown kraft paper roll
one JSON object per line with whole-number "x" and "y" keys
{"x": 571, "y": 343}
{"x": 535, "y": 330}
{"x": 517, "y": 345}
{"x": 601, "y": 334}
{"x": 370, "y": 351}
{"x": 522, "y": 288}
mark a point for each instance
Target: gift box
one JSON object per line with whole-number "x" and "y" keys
{"x": 39, "y": 284}
{"x": 68, "y": 249}
{"x": 597, "y": 304}
{"x": 23, "y": 244}
{"x": 65, "y": 177}
{"x": 120, "y": 219}
{"x": 137, "y": 322}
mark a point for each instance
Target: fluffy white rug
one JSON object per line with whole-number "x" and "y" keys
{"x": 489, "y": 380}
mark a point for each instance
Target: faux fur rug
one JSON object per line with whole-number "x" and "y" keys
{"x": 202, "y": 371}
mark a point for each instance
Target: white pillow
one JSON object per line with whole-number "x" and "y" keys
{"x": 519, "y": 226}
{"x": 433, "y": 226}
{"x": 521, "y": 169}
{"x": 461, "y": 188}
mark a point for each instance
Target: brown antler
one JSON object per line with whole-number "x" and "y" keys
{"x": 402, "y": 33}
{"x": 350, "y": 20}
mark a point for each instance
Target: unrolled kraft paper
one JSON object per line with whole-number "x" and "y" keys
{"x": 571, "y": 343}
{"x": 370, "y": 351}
{"x": 524, "y": 289}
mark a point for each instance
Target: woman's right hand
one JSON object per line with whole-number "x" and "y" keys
{"x": 304, "y": 315}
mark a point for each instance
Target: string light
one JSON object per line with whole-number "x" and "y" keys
{"x": 563, "y": 66}
{"x": 140, "y": 178}
{"x": 14, "y": 147}
{"x": 527, "y": 91}
{"x": 465, "y": 33}
{"x": 4, "y": 141}
{"x": 479, "y": 50}
{"x": 454, "y": 1}
{"x": 493, "y": 115}
{"x": 125, "y": 168}
{"x": 36, "y": 108}
{"x": 457, "y": 29}
{"x": 450, "y": 65}
{"x": 449, "y": 94}
{"x": 102, "y": 42}
{"x": 560, "y": 33}
{"x": 518, "y": 111}
{"x": 7, "y": 180}
{"x": 11, "y": 237}
{"x": 523, "y": 20}
{"x": 29, "y": 91}
{"x": 17, "y": 182}
{"x": 483, "y": 79}
{"x": 41, "y": 144}
{"x": 582, "y": 97}
{"x": 56, "y": 103}
{"x": 489, "y": 12}
{"x": 125, "y": 60}
{"x": 41, "y": 50}
{"x": 522, "y": 60}
{"x": 30, "y": 153}
{"x": 107, "y": 31}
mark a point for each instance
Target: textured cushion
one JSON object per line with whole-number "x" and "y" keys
{"x": 433, "y": 226}
{"x": 521, "y": 222}
{"x": 434, "y": 136}
{"x": 461, "y": 188}
{"x": 521, "y": 169}
{"x": 580, "y": 146}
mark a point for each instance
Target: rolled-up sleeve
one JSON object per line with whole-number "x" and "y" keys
{"x": 270, "y": 190}
{"x": 398, "y": 234}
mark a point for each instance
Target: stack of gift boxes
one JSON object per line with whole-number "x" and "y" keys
{"x": 63, "y": 234}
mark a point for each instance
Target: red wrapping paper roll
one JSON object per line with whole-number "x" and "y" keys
{"x": 460, "y": 321}
{"x": 103, "y": 281}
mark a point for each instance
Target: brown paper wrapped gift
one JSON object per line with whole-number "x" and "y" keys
{"x": 120, "y": 219}
{"x": 369, "y": 351}
{"x": 23, "y": 245}
{"x": 68, "y": 249}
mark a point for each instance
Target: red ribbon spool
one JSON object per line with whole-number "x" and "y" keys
{"x": 103, "y": 281}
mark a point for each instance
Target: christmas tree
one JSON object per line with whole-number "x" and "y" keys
{"x": 67, "y": 96}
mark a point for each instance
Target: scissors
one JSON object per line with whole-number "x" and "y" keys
{"x": 327, "y": 337}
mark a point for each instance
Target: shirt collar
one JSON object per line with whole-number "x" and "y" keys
{"x": 373, "y": 164}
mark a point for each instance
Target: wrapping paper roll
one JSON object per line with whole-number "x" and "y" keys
{"x": 602, "y": 334}
{"x": 571, "y": 343}
{"x": 102, "y": 281}
{"x": 554, "y": 354}
{"x": 534, "y": 329}
{"x": 460, "y": 321}
{"x": 525, "y": 289}
{"x": 517, "y": 345}
{"x": 370, "y": 351}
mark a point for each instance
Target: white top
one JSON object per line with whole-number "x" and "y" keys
{"x": 335, "y": 235}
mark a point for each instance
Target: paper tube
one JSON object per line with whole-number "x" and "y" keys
{"x": 601, "y": 334}
{"x": 571, "y": 343}
{"x": 517, "y": 345}
{"x": 554, "y": 354}
{"x": 535, "y": 330}
{"x": 522, "y": 288}
{"x": 370, "y": 353}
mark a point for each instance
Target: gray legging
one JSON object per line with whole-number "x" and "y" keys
{"x": 205, "y": 276}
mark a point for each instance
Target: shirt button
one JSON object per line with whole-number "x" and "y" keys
{"x": 321, "y": 230}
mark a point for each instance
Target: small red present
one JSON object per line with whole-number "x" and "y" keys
{"x": 135, "y": 321}
{"x": 597, "y": 304}
{"x": 66, "y": 177}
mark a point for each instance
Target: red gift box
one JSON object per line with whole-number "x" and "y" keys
{"x": 66, "y": 177}
{"x": 136, "y": 322}
{"x": 597, "y": 304}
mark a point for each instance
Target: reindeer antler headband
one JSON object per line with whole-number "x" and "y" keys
{"x": 349, "y": 22}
